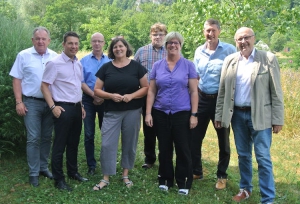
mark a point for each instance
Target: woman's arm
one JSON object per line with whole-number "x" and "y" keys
{"x": 139, "y": 93}
{"x": 98, "y": 91}
{"x": 150, "y": 101}
{"x": 194, "y": 101}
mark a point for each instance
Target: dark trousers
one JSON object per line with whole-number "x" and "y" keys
{"x": 206, "y": 113}
{"x": 89, "y": 127}
{"x": 173, "y": 130}
{"x": 67, "y": 134}
{"x": 149, "y": 140}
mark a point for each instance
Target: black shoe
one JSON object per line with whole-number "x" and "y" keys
{"x": 78, "y": 177}
{"x": 34, "y": 180}
{"x": 46, "y": 174}
{"x": 91, "y": 172}
{"x": 61, "y": 185}
{"x": 147, "y": 166}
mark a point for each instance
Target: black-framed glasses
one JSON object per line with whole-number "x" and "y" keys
{"x": 246, "y": 38}
{"x": 173, "y": 42}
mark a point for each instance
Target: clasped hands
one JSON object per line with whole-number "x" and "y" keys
{"x": 119, "y": 98}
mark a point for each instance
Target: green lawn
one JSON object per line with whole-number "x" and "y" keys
{"x": 14, "y": 187}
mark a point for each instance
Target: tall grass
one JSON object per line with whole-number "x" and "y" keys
{"x": 14, "y": 187}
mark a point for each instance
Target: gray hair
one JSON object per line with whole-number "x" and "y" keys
{"x": 41, "y": 28}
{"x": 172, "y": 35}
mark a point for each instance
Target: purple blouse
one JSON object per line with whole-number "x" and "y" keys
{"x": 172, "y": 86}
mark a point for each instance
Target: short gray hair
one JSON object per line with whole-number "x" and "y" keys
{"x": 41, "y": 28}
{"x": 172, "y": 35}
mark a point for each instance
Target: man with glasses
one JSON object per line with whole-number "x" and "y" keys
{"x": 208, "y": 61}
{"x": 93, "y": 105}
{"x": 250, "y": 97}
{"x": 146, "y": 56}
{"x": 27, "y": 73}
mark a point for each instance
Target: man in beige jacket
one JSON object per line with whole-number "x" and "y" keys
{"x": 250, "y": 97}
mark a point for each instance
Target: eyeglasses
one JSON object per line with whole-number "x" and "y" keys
{"x": 158, "y": 35}
{"x": 246, "y": 38}
{"x": 118, "y": 37}
{"x": 173, "y": 42}
{"x": 97, "y": 41}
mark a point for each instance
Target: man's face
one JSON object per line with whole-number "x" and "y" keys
{"x": 157, "y": 38}
{"x": 211, "y": 33}
{"x": 71, "y": 46}
{"x": 40, "y": 41}
{"x": 245, "y": 40}
{"x": 97, "y": 42}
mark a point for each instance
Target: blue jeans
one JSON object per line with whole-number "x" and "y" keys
{"x": 245, "y": 136}
{"x": 89, "y": 127}
{"x": 39, "y": 126}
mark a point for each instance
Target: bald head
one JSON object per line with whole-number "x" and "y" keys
{"x": 245, "y": 39}
{"x": 97, "y": 42}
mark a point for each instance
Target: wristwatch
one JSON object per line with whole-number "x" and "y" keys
{"x": 194, "y": 114}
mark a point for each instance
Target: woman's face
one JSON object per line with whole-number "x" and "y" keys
{"x": 119, "y": 50}
{"x": 173, "y": 47}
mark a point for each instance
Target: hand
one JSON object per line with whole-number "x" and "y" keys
{"x": 98, "y": 101}
{"x": 21, "y": 109}
{"x": 83, "y": 113}
{"x": 127, "y": 98}
{"x": 149, "y": 120}
{"x": 193, "y": 122}
{"x": 218, "y": 124}
{"x": 117, "y": 98}
{"x": 57, "y": 111}
{"x": 276, "y": 128}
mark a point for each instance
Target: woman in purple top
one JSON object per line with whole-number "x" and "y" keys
{"x": 172, "y": 106}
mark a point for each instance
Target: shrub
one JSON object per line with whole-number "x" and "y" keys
{"x": 15, "y": 36}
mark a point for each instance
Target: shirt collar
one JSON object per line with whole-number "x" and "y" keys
{"x": 66, "y": 58}
{"x": 33, "y": 50}
{"x": 92, "y": 55}
{"x": 161, "y": 48}
{"x": 251, "y": 55}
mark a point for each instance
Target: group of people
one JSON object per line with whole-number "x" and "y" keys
{"x": 176, "y": 97}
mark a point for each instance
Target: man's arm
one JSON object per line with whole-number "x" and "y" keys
{"x": 20, "y": 106}
{"x": 56, "y": 110}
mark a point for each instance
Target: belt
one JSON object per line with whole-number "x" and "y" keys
{"x": 34, "y": 98}
{"x": 67, "y": 103}
{"x": 243, "y": 108}
{"x": 208, "y": 95}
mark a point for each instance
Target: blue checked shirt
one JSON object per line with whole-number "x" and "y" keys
{"x": 147, "y": 55}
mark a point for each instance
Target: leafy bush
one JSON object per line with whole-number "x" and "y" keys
{"x": 15, "y": 36}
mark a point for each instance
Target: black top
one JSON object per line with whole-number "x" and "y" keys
{"x": 123, "y": 81}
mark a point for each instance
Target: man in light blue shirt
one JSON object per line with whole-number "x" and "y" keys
{"x": 208, "y": 61}
{"x": 91, "y": 64}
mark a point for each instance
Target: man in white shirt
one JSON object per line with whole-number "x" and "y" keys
{"x": 27, "y": 73}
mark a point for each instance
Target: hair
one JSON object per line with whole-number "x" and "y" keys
{"x": 172, "y": 35}
{"x": 41, "y": 28}
{"x": 158, "y": 27}
{"x": 111, "y": 54}
{"x": 70, "y": 33}
{"x": 243, "y": 28}
{"x": 212, "y": 21}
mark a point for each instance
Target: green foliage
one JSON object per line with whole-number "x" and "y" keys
{"x": 277, "y": 42}
{"x": 14, "y": 37}
{"x": 8, "y": 10}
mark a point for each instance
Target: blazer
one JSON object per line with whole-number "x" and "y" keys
{"x": 267, "y": 106}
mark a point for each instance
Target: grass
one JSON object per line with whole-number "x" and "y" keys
{"x": 14, "y": 187}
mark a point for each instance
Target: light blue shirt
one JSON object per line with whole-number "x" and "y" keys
{"x": 91, "y": 65}
{"x": 208, "y": 66}
{"x": 242, "y": 95}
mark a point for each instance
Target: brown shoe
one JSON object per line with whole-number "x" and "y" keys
{"x": 197, "y": 177}
{"x": 242, "y": 195}
{"x": 221, "y": 183}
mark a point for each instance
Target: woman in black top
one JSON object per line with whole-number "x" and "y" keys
{"x": 122, "y": 83}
